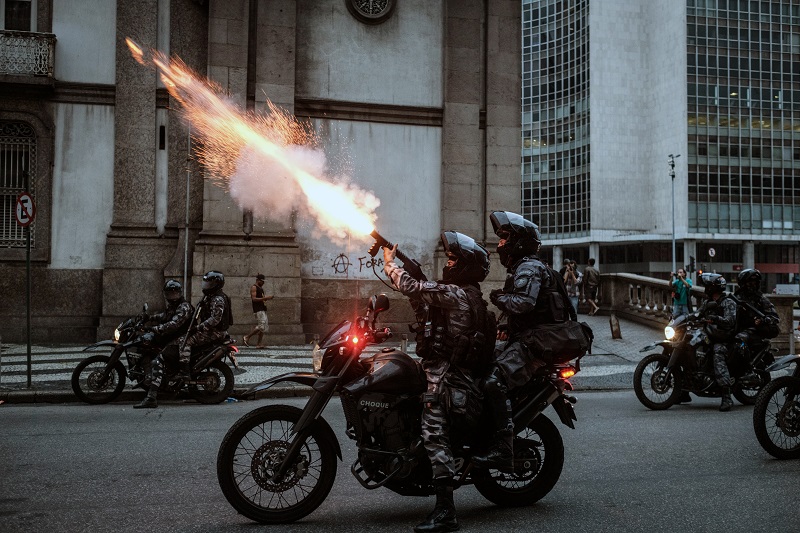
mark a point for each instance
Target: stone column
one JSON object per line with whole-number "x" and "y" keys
{"x": 748, "y": 255}
{"x": 594, "y": 252}
{"x": 558, "y": 257}
{"x": 135, "y": 255}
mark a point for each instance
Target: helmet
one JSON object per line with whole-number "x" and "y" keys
{"x": 520, "y": 235}
{"x": 471, "y": 259}
{"x": 173, "y": 291}
{"x": 749, "y": 278}
{"x": 213, "y": 281}
{"x": 713, "y": 283}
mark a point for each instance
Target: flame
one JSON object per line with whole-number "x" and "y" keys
{"x": 271, "y": 164}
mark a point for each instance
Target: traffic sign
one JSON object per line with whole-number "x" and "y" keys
{"x": 711, "y": 252}
{"x": 26, "y": 210}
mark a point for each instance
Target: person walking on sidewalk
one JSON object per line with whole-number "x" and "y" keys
{"x": 591, "y": 280}
{"x": 257, "y": 298}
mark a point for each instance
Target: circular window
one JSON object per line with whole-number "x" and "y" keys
{"x": 371, "y": 11}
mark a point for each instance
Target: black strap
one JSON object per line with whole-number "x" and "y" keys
{"x": 562, "y": 289}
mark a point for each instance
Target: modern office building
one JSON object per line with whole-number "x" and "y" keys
{"x": 616, "y": 90}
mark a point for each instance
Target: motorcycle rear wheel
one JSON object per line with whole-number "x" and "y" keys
{"x": 776, "y": 418}
{"x": 216, "y": 384}
{"x": 538, "y": 461}
{"x": 87, "y": 381}
{"x": 652, "y": 390}
{"x": 247, "y": 458}
{"x": 746, "y": 396}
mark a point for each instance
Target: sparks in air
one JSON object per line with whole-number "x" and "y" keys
{"x": 271, "y": 164}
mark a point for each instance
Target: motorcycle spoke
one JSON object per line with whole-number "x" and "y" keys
{"x": 782, "y": 419}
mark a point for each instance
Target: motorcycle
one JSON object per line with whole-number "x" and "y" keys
{"x": 277, "y": 463}
{"x": 776, "y": 415}
{"x": 686, "y": 364}
{"x": 101, "y": 378}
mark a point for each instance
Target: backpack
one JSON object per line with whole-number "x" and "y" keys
{"x": 478, "y": 351}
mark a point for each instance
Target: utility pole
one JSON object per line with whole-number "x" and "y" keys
{"x": 672, "y": 159}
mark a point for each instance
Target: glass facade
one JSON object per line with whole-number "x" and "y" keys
{"x": 555, "y": 116}
{"x": 744, "y": 116}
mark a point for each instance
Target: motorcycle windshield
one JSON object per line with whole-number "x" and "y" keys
{"x": 336, "y": 335}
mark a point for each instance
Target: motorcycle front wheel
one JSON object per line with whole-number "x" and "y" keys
{"x": 250, "y": 454}
{"x": 538, "y": 460}
{"x": 88, "y": 383}
{"x": 214, "y": 384}
{"x": 776, "y": 418}
{"x": 653, "y": 388}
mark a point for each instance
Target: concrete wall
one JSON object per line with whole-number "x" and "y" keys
{"x": 85, "y": 48}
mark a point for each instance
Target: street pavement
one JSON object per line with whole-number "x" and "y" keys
{"x": 610, "y": 367}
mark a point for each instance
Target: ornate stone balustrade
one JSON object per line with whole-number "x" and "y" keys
{"x": 25, "y": 53}
{"x": 648, "y": 300}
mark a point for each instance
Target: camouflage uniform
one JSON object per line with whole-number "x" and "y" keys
{"x": 172, "y": 323}
{"x": 437, "y": 354}
{"x": 723, "y": 322}
{"x": 746, "y": 326}
{"x": 212, "y": 324}
{"x": 530, "y": 297}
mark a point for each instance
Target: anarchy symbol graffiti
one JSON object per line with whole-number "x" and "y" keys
{"x": 341, "y": 264}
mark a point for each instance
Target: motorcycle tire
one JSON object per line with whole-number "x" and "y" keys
{"x": 216, "y": 384}
{"x": 650, "y": 388}
{"x": 247, "y": 457}
{"x": 746, "y": 396}
{"x": 776, "y": 418}
{"x": 538, "y": 460}
{"x": 86, "y": 380}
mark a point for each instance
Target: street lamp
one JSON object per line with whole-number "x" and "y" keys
{"x": 672, "y": 159}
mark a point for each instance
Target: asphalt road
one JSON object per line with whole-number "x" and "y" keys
{"x": 73, "y": 467}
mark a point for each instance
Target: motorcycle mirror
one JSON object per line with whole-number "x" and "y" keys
{"x": 379, "y": 303}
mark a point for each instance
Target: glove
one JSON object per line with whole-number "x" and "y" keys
{"x": 742, "y": 337}
{"x": 148, "y": 338}
{"x": 494, "y": 296}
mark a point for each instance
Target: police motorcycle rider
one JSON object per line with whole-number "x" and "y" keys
{"x": 449, "y": 313}
{"x": 530, "y": 297}
{"x": 751, "y": 329}
{"x": 719, "y": 311}
{"x": 213, "y": 319}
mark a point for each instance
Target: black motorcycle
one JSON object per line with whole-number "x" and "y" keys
{"x": 277, "y": 463}
{"x": 776, "y": 416}
{"x": 101, "y": 378}
{"x": 686, "y": 364}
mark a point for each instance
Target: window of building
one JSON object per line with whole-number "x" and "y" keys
{"x": 18, "y": 15}
{"x": 17, "y": 175}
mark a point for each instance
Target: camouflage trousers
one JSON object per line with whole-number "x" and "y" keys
{"x": 172, "y": 354}
{"x": 198, "y": 338}
{"x": 721, "y": 365}
{"x": 436, "y": 430}
{"x": 160, "y": 363}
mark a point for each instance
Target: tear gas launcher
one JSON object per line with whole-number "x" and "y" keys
{"x": 410, "y": 265}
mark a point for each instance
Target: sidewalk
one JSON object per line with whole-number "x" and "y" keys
{"x": 610, "y": 366}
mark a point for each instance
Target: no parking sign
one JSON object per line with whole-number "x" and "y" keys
{"x": 26, "y": 210}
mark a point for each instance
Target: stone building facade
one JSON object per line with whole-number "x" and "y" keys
{"x": 421, "y": 101}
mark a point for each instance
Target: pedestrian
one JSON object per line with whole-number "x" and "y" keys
{"x": 591, "y": 281}
{"x": 257, "y": 298}
{"x": 572, "y": 280}
{"x": 681, "y": 292}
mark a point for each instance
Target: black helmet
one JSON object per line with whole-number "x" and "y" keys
{"x": 173, "y": 291}
{"x": 713, "y": 283}
{"x": 471, "y": 259}
{"x": 521, "y": 236}
{"x": 213, "y": 281}
{"x": 749, "y": 278}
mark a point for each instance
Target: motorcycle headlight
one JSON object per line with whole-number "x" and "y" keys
{"x": 116, "y": 334}
{"x": 316, "y": 358}
{"x": 669, "y": 332}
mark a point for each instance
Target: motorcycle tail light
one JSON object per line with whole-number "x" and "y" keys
{"x": 567, "y": 373}
{"x": 234, "y": 349}
{"x": 355, "y": 340}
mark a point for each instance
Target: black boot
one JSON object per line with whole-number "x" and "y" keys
{"x": 727, "y": 403}
{"x": 443, "y": 516}
{"x": 501, "y": 454}
{"x": 150, "y": 401}
{"x": 685, "y": 397}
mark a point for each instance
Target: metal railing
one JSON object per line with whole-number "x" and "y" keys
{"x": 24, "y": 53}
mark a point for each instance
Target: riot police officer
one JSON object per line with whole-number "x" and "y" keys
{"x": 530, "y": 297}
{"x": 450, "y": 313}
{"x": 720, "y": 312}
{"x": 214, "y": 317}
{"x": 752, "y": 328}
